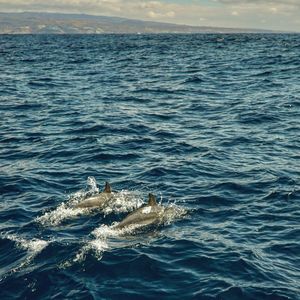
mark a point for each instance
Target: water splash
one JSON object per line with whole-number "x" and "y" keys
{"x": 105, "y": 231}
{"x": 92, "y": 185}
{"x": 173, "y": 212}
{"x": 124, "y": 201}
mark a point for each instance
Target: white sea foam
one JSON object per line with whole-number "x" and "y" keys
{"x": 66, "y": 210}
{"x": 104, "y": 232}
{"x": 61, "y": 213}
{"x": 173, "y": 212}
{"x": 105, "y": 236}
{"x": 33, "y": 246}
{"x": 124, "y": 201}
{"x": 98, "y": 247}
{"x": 92, "y": 184}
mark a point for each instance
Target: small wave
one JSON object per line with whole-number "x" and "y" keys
{"x": 42, "y": 84}
{"x": 28, "y": 105}
{"x": 32, "y": 246}
{"x": 257, "y": 118}
{"x": 61, "y": 213}
{"x": 156, "y": 90}
{"x": 97, "y": 246}
{"x": 263, "y": 73}
{"x": 194, "y": 79}
{"x": 93, "y": 128}
{"x": 78, "y": 61}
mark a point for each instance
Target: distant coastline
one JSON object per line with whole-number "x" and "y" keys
{"x": 55, "y": 23}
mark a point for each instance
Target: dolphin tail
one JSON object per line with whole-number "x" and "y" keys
{"x": 107, "y": 188}
{"x": 152, "y": 200}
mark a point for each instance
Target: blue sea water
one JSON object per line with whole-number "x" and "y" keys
{"x": 209, "y": 123}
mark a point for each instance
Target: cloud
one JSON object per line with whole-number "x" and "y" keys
{"x": 262, "y": 3}
{"x": 274, "y": 10}
{"x": 151, "y": 4}
{"x": 154, "y": 15}
{"x": 124, "y": 8}
{"x": 285, "y": 10}
{"x": 62, "y": 5}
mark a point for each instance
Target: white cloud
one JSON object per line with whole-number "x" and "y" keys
{"x": 151, "y": 4}
{"x": 274, "y": 10}
{"x": 155, "y": 15}
{"x": 261, "y": 2}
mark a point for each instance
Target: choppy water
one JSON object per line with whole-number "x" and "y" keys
{"x": 208, "y": 123}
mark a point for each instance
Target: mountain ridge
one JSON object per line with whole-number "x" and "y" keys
{"x": 62, "y": 23}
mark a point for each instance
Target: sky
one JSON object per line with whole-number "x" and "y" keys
{"x": 265, "y": 14}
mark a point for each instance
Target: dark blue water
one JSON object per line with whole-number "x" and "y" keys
{"x": 208, "y": 123}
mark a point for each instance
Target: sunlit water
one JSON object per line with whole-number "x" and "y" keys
{"x": 210, "y": 124}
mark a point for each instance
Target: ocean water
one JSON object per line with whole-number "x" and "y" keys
{"x": 210, "y": 124}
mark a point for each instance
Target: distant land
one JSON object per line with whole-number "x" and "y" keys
{"x": 55, "y": 23}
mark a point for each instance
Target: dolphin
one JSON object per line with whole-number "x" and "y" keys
{"x": 149, "y": 214}
{"x": 99, "y": 200}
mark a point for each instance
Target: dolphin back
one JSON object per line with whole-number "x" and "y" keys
{"x": 99, "y": 201}
{"x": 144, "y": 216}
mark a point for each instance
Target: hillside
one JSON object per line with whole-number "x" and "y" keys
{"x": 53, "y": 23}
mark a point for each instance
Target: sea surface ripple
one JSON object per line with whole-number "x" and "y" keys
{"x": 208, "y": 123}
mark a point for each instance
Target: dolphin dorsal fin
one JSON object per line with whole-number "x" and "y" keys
{"x": 107, "y": 188}
{"x": 152, "y": 200}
